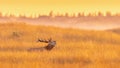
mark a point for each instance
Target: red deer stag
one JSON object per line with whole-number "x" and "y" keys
{"x": 50, "y": 42}
{"x": 49, "y": 46}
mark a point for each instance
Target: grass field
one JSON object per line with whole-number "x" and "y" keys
{"x": 75, "y": 48}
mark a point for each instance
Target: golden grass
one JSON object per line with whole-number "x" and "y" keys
{"x": 75, "y": 48}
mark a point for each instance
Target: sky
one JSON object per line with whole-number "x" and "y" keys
{"x": 35, "y": 7}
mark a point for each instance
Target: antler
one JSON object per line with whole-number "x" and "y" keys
{"x": 46, "y": 41}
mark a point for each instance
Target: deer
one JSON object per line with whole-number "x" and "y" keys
{"x": 51, "y": 44}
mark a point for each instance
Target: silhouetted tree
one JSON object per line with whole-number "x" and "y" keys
{"x": 39, "y": 16}
{"x": 66, "y": 15}
{"x": 51, "y": 14}
{"x": 100, "y": 14}
{"x": 12, "y": 15}
{"x": 90, "y": 14}
{"x": 59, "y": 15}
{"x": 117, "y": 14}
{"x": 108, "y": 14}
{"x": 83, "y": 14}
{"x": 79, "y": 15}
{"x": 0, "y": 14}
{"x": 22, "y": 16}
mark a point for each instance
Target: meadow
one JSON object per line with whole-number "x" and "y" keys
{"x": 75, "y": 48}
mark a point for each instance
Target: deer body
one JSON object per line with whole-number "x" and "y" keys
{"x": 50, "y": 45}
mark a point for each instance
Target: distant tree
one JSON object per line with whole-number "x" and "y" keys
{"x": 11, "y": 15}
{"x": 82, "y": 14}
{"x": 51, "y": 14}
{"x": 100, "y": 14}
{"x": 0, "y": 14}
{"x": 90, "y": 14}
{"x": 108, "y": 14}
{"x": 22, "y": 16}
{"x": 39, "y": 15}
{"x": 59, "y": 15}
{"x": 66, "y": 15}
{"x": 79, "y": 14}
{"x": 117, "y": 14}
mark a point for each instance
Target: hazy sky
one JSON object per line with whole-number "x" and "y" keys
{"x": 29, "y": 7}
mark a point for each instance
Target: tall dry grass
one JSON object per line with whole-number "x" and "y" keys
{"x": 74, "y": 49}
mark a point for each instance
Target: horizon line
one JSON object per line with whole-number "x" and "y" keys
{"x": 51, "y": 13}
